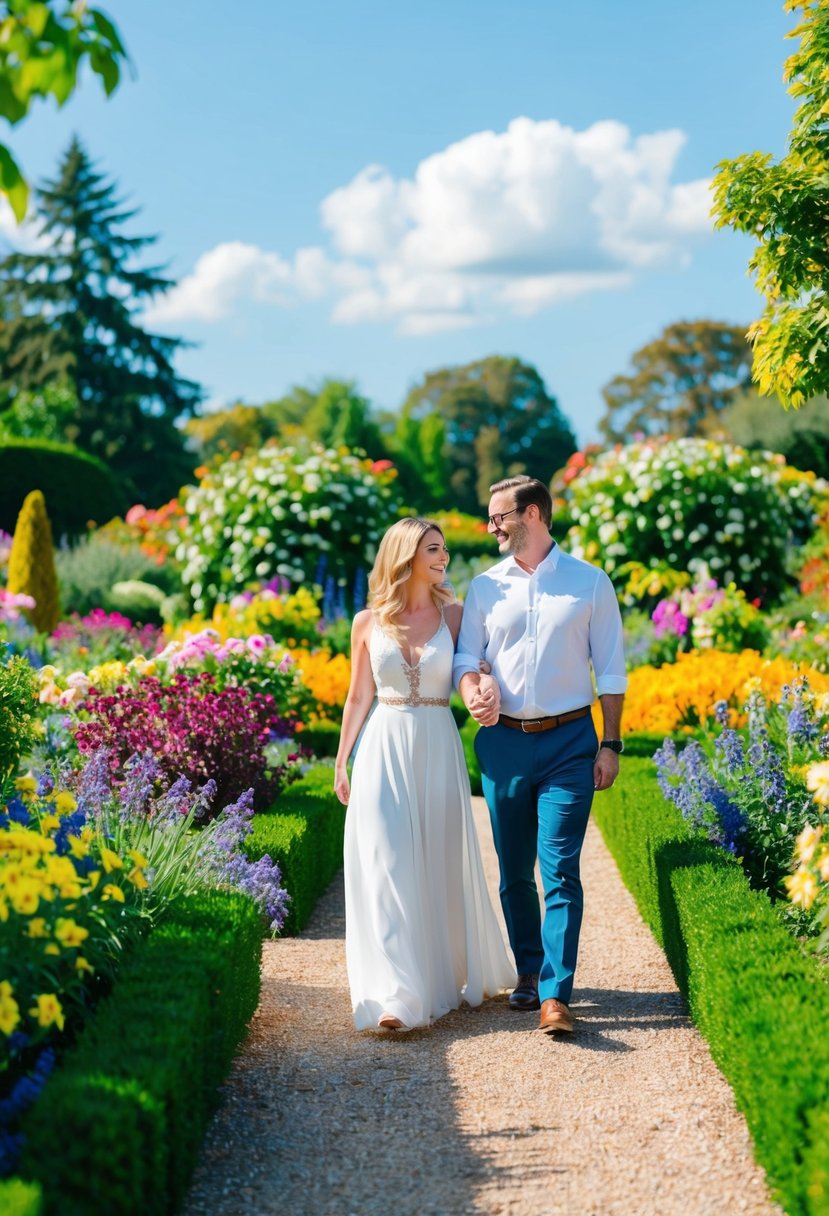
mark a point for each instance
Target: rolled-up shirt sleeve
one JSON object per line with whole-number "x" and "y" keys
{"x": 471, "y": 639}
{"x": 607, "y": 651}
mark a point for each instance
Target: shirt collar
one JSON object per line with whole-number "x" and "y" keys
{"x": 550, "y": 562}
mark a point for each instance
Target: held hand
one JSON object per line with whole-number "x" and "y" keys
{"x": 342, "y": 787}
{"x": 486, "y": 703}
{"x": 605, "y": 769}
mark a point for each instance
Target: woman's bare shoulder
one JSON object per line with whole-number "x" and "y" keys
{"x": 452, "y": 614}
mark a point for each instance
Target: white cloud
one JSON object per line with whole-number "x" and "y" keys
{"x": 514, "y": 221}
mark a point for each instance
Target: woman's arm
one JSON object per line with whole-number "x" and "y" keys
{"x": 479, "y": 690}
{"x": 358, "y": 702}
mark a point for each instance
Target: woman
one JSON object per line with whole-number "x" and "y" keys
{"x": 421, "y": 934}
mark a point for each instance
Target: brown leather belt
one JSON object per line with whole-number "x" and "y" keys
{"x": 531, "y": 726}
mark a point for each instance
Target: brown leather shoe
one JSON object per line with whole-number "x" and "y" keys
{"x": 555, "y": 1016}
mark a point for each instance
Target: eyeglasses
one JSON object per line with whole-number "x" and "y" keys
{"x": 497, "y": 519}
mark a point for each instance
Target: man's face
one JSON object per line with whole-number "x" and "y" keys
{"x": 509, "y": 529}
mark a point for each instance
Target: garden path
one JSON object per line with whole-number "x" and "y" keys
{"x": 480, "y": 1114}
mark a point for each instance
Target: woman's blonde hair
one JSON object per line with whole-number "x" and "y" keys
{"x": 393, "y": 569}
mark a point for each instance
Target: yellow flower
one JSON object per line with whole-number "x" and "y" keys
{"x": 112, "y": 891}
{"x": 26, "y": 785}
{"x": 37, "y": 927}
{"x": 93, "y": 878}
{"x": 48, "y": 823}
{"x": 69, "y": 933}
{"x": 138, "y": 858}
{"x": 65, "y": 803}
{"x": 25, "y": 897}
{"x": 807, "y": 842}
{"x": 138, "y": 880}
{"x": 48, "y": 1010}
{"x": 823, "y": 865}
{"x": 51, "y": 949}
{"x": 802, "y": 887}
{"x": 817, "y": 782}
{"x": 83, "y": 964}
{"x": 111, "y": 860}
{"x": 9, "y": 1008}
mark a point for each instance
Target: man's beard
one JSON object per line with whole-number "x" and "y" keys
{"x": 516, "y": 541}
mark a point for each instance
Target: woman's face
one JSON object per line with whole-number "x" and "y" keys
{"x": 431, "y": 559}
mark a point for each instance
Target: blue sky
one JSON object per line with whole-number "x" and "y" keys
{"x": 370, "y": 191}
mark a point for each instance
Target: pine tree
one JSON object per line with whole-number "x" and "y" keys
{"x": 67, "y": 314}
{"x": 32, "y": 562}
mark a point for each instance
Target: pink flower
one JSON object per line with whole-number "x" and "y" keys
{"x": 286, "y": 663}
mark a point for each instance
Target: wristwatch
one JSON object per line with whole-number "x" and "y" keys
{"x": 615, "y": 745}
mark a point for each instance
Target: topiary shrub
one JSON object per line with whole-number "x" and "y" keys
{"x": 92, "y": 574}
{"x": 280, "y": 511}
{"x": 32, "y": 563}
{"x": 685, "y": 503}
{"x": 77, "y": 486}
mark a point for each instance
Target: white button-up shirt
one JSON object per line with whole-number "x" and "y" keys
{"x": 541, "y": 632}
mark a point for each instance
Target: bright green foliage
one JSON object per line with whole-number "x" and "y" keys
{"x": 784, "y": 207}
{"x": 741, "y": 971}
{"x": 42, "y": 46}
{"x": 681, "y": 503}
{"x": 48, "y": 413}
{"x": 680, "y": 383}
{"x": 32, "y": 563}
{"x": 68, "y": 317}
{"x": 236, "y": 429}
{"x": 139, "y": 1087}
{"x": 498, "y": 417}
{"x": 279, "y": 512}
{"x": 80, "y": 487}
{"x": 18, "y": 717}
{"x": 19, "y": 1198}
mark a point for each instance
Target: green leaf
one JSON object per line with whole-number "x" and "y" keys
{"x": 36, "y": 17}
{"x": 107, "y": 31}
{"x": 13, "y": 184}
{"x": 106, "y": 67}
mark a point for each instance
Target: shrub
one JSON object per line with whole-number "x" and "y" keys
{"x": 18, "y": 716}
{"x": 78, "y": 487}
{"x": 194, "y": 730}
{"x": 762, "y": 1005}
{"x": 683, "y": 502}
{"x": 138, "y": 1089}
{"x": 708, "y": 617}
{"x": 82, "y": 641}
{"x": 32, "y": 563}
{"x": 276, "y": 512}
{"x": 90, "y": 571}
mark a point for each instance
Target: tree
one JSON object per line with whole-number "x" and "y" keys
{"x": 501, "y": 395}
{"x": 32, "y": 563}
{"x": 784, "y": 206}
{"x": 759, "y": 424}
{"x": 680, "y": 383}
{"x": 67, "y": 315}
{"x": 41, "y": 51}
{"x": 237, "y": 429}
{"x": 335, "y": 414}
{"x": 419, "y": 451}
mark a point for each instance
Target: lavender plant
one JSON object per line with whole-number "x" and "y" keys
{"x": 747, "y": 790}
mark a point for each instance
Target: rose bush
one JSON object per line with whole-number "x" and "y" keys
{"x": 685, "y": 503}
{"x": 277, "y": 512}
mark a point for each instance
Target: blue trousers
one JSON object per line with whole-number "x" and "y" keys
{"x": 539, "y": 790}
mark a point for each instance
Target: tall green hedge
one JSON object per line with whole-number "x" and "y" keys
{"x": 303, "y": 833}
{"x": 759, "y": 1000}
{"x": 118, "y": 1126}
{"x": 77, "y": 487}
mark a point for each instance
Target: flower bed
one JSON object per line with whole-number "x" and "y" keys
{"x": 760, "y": 1002}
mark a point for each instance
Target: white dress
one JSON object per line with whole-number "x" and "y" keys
{"x": 421, "y": 933}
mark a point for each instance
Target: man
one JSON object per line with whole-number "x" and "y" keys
{"x": 541, "y": 619}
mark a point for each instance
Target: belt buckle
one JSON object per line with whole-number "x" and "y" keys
{"x": 525, "y": 722}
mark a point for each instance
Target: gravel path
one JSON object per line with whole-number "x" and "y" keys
{"x": 480, "y": 1114}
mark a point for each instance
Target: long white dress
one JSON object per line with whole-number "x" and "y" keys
{"x": 421, "y": 933}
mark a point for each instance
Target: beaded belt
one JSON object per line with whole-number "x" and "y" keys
{"x": 531, "y": 726}
{"x": 414, "y": 701}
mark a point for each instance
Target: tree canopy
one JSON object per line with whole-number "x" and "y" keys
{"x": 680, "y": 383}
{"x": 784, "y": 206}
{"x": 499, "y": 421}
{"x": 42, "y": 46}
{"x": 67, "y": 315}
{"x": 757, "y": 423}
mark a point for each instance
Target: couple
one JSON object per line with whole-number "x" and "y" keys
{"x": 421, "y": 934}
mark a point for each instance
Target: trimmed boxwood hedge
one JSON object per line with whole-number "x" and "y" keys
{"x": 77, "y": 487}
{"x": 761, "y": 1003}
{"x": 118, "y": 1126}
{"x": 303, "y": 833}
